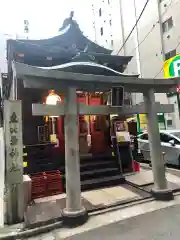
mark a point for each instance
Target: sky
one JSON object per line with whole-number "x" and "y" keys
{"x": 45, "y": 17}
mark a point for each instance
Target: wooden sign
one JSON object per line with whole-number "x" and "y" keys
{"x": 120, "y": 126}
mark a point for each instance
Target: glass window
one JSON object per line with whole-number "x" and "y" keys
{"x": 165, "y": 138}
{"x": 170, "y": 54}
{"x": 167, "y": 25}
{"x": 101, "y": 31}
{"x": 100, "y": 12}
{"x": 144, "y": 136}
{"x": 176, "y": 141}
{"x": 176, "y": 134}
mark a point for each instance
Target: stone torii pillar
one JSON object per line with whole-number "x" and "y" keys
{"x": 160, "y": 189}
{"x": 74, "y": 213}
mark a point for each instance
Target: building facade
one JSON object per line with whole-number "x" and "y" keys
{"x": 155, "y": 39}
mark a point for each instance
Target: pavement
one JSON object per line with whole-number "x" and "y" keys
{"x": 151, "y": 226}
{"x": 49, "y": 209}
{"x": 148, "y": 220}
{"x": 128, "y": 221}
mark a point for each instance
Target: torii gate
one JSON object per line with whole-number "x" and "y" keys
{"x": 69, "y": 83}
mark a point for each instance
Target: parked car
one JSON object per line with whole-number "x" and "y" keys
{"x": 170, "y": 143}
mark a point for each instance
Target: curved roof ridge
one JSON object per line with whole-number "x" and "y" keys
{"x": 90, "y": 64}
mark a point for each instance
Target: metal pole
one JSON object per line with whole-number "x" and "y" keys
{"x": 160, "y": 184}
{"x": 74, "y": 210}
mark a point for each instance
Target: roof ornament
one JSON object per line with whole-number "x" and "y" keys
{"x": 71, "y": 15}
{"x": 69, "y": 21}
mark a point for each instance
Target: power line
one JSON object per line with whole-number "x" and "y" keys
{"x": 134, "y": 26}
{"x": 154, "y": 25}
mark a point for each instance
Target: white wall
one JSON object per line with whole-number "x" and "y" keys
{"x": 3, "y": 61}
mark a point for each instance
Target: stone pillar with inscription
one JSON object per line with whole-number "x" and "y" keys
{"x": 14, "y": 161}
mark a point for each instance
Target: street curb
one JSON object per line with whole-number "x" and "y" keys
{"x": 32, "y": 232}
{"x": 26, "y": 233}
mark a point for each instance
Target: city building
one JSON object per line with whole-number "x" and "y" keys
{"x": 157, "y": 41}
{"x": 154, "y": 40}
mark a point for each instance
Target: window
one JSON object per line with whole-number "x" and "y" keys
{"x": 167, "y": 25}
{"x": 112, "y": 43}
{"x": 170, "y": 54}
{"x": 144, "y": 136}
{"x": 100, "y": 12}
{"x": 101, "y": 31}
{"x": 176, "y": 134}
{"x": 176, "y": 141}
{"x": 165, "y": 138}
{"x": 110, "y": 22}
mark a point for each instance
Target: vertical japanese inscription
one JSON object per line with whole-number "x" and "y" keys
{"x": 13, "y": 133}
{"x": 13, "y": 139}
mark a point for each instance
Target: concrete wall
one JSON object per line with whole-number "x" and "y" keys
{"x": 149, "y": 53}
{"x": 3, "y": 61}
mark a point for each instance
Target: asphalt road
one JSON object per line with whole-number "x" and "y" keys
{"x": 162, "y": 224}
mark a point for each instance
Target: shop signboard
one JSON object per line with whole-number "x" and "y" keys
{"x": 122, "y": 134}
{"x": 142, "y": 122}
{"x": 172, "y": 69}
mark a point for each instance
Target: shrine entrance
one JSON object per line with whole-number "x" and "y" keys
{"x": 71, "y": 109}
{"x": 75, "y": 67}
